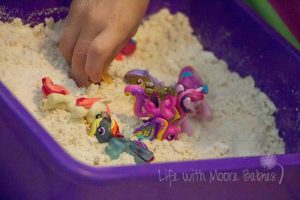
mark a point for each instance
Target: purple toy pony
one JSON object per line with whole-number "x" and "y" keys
{"x": 190, "y": 98}
{"x": 189, "y": 79}
{"x": 167, "y": 107}
{"x": 159, "y": 125}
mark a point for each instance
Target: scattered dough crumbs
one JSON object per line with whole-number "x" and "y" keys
{"x": 243, "y": 122}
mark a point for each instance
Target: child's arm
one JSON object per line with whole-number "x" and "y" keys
{"x": 95, "y": 32}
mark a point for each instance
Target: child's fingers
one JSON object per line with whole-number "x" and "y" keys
{"x": 101, "y": 52}
{"x": 77, "y": 64}
{"x": 118, "y": 49}
{"x": 79, "y": 56}
{"x": 70, "y": 34}
{"x": 67, "y": 43}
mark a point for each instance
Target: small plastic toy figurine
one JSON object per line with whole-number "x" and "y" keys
{"x": 158, "y": 125}
{"x": 57, "y": 96}
{"x": 127, "y": 50}
{"x": 49, "y": 87}
{"x": 168, "y": 110}
{"x": 142, "y": 78}
{"x": 189, "y": 86}
{"x": 157, "y": 128}
{"x": 151, "y": 85}
{"x": 106, "y": 130}
{"x": 102, "y": 126}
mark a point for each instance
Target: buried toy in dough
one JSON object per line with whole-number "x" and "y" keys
{"x": 78, "y": 107}
{"x": 102, "y": 126}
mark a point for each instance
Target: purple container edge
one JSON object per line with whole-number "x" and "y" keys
{"x": 64, "y": 164}
{"x": 75, "y": 166}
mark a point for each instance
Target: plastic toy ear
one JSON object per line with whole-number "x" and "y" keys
{"x": 179, "y": 88}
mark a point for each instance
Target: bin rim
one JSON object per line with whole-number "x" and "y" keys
{"x": 66, "y": 166}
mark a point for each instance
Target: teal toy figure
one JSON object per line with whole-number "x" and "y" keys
{"x": 107, "y": 130}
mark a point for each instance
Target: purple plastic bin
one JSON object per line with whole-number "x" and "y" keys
{"x": 34, "y": 166}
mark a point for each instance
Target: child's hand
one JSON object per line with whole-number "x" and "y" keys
{"x": 95, "y": 32}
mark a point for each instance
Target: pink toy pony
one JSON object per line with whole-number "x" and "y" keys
{"x": 189, "y": 79}
{"x": 158, "y": 125}
{"x": 166, "y": 108}
{"x": 190, "y": 98}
